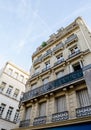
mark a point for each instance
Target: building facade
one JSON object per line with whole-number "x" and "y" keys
{"x": 58, "y": 92}
{"x": 12, "y": 87}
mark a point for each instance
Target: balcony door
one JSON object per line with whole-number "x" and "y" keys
{"x": 83, "y": 98}
{"x": 61, "y": 104}
{"x": 28, "y": 113}
{"x": 42, "y": 109}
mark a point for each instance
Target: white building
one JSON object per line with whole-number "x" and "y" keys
{"x": 12, "y": 86}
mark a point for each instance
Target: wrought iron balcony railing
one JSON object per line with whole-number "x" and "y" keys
{"x": 24, "y": 123}
{"x": 71, "y": 39}
{"x": 39, "y": 120}
{"x": 45, "y": 69}
{"x": 47, "y": 54}
{"x": 83, "y": 111}
{"x": 35, "y": 74}
{"x": 52, "y": 85}
{"x": 38, "y": 60}
{"x": 60, "y": 116}
{"x": 74, "y": 54}
{"x": 58, "y": 47}
{"x": 59, "y": 61}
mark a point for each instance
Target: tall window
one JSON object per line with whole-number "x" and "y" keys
{"x": 60, "y": 74}
{"x": 28, "y": 113}
{"x": 34, "y": 86}
{"x": 61, "y": 104}
{"x": 42, "y": 109}
{"x": 15, "y": 75}
{"x": 47, "y": 64}
{"x": 37, "y": 70}
{"x": 83, "y": 98}
{"x": 21, "y": 78}
{"x": 9, "y": 112}
{"x": 2, "y": 86}
{"x": 9, "y": 90}
{"x": 60, "y": 57}
{"x": 16, "y": 93}
{"x": 46, "y": 80}
{"x": 2, "y": 107}
{"x": 74, "y": 50}
{"x": 10, "y": 71}
{"x": 16, "y": 117}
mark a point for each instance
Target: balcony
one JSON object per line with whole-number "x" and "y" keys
{"x": 24, "y": 123}
{"x": 35, "y": 74}
{"x": 47, "y": 54}
{"x": 60, "y": 116}
{"x": 58, "y": 47}
{"x": 45, "y": 69}
{"x": 83, "y": 111}
{"x": 71, "y": 39}
{"x": 75, "y": 53}
{"x": 56, "y": 84}
{"x": 38, "y": 60}
{"x": 59, "y": 62}
{"x": 39, "y": 120}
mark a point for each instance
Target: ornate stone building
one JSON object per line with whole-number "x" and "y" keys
{"x": 58, "y": 92}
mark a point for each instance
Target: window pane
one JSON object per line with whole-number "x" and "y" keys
{"x": 42, "y": 109}
{"x": 83, "y": 98}
{"x": 28, "y": 113}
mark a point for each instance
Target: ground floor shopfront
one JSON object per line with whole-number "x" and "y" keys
{"x": 85, "y": 126}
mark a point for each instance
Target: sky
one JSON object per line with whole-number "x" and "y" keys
{"x": 25, "y": 24}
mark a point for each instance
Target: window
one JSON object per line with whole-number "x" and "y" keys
{"x": 15, "y": 75}
{"x": 76, "y": 66}
{"x": 61, "y": 104}
{"x": 9, "y": 90}
{"x": 10, "y": 71}
{"x": 2, "y": 86}
{"x": 47, "y": 64}
{"x": 9, "y": 112}
{"x": 21, "y": 78}
{"x": 74, "y": 50}
{"x": 60, "y": 57}
{"x": 37, "y": 70}
{"x": 2, "y": 107}
{"x": 83, "y": 98}
{"x": 33, "y": 86}
{"x": 28, "y": 113}
{"x": 16, "y": 117}
{"x": 60, "y": 74}
{"x": 16, "y": 93}
{"x": 46, "y": 80}
{"x": 42, "y": 109}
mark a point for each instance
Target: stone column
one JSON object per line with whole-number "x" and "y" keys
{"x": 71, "y": 102}
{"x": 50, "y": 107}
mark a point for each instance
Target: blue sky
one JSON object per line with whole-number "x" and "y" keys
{"x": 25, "y": 24}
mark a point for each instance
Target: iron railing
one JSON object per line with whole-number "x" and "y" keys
{"x": 60, "y": 116}
{"x": 59, "y": 61}
{"x": 71, "y": 39}
{"x": 83, "y": 111}
{"x": 58, "y": 83}
{"x": 58, "y": 47}
{"x": 35, "y": 74}
{"x": 74, "y": 54}
{"x": 39, "y": 120}
{"x": 24, "y": 123}
{"x": 47, "y": 54}
{"x": 45, "y": 69}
